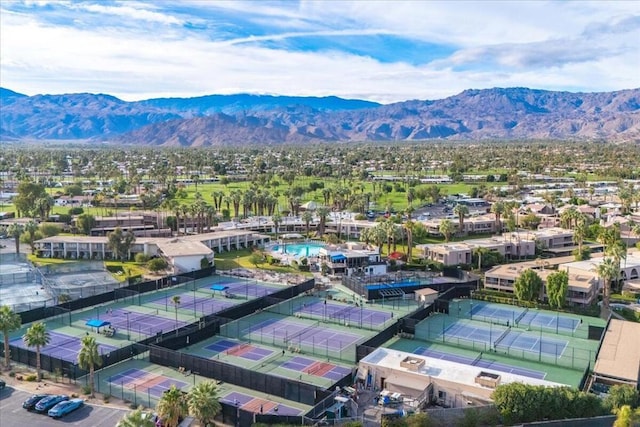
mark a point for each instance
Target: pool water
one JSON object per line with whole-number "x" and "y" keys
{"x": 299, "y": 249}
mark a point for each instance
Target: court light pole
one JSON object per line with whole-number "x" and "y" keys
{"x": 193, "y": 277}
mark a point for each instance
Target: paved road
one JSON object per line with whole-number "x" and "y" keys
{"x": 12, "y": 414}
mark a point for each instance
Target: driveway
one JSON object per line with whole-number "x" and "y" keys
{"x": 12, "y": 414}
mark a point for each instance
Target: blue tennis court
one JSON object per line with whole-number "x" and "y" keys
{"x": 474, "y": 333}
{"x": 548, "y": 321}
{"x": 244, "y": 289}
{"x": 201, "y": 305}
{"x": 482, "y": 363}
{"x": 62, "y": 346}
{"x": 497, "y": 313}
{"x": 532, "y": 343}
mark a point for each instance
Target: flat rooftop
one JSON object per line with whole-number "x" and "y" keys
{"x": 619, "y": 355}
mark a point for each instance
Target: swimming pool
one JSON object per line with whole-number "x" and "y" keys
{"x": 298, "y": 250}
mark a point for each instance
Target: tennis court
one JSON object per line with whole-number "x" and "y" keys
{"x": 532, "y": 343}
{"x": 514, "y": 316}
{"x": 474, "y": 333}
{"x": 242, "y": 288}
{"x": 294, "y": 333}
{"x": 141, "y": 380}
{"x": 480, "y": 362}
{"x": 142, "y": 323}
{"x": 62, "y": 346}
{"x": 234, "y": 348}
{"x": 313, "y": 367}
{"x": 201, "y": 305}
{"x": 346, "y": 314}
{"x": 258, "y": 405}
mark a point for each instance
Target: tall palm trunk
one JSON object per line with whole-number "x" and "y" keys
{"x": 38, "y": 362}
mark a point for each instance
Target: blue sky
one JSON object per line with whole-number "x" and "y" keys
{"x": 375, "y": 50}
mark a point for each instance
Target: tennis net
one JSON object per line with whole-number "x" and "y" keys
{"x": 519, "y": 318}
{"x": 302, "y": 332}
{"x": 501, "y": 337}
{"x": 336, "y": 314}
{"x": 476, "y": 360}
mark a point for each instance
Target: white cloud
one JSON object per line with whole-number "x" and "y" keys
{"x": 552, "y": 45}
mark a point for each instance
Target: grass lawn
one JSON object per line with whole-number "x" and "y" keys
{"x": 42, "y": 262}
{"x": 240, "y": 259}
{"x": 130, "y": 268}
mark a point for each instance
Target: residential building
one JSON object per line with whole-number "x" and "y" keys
{"x": 618, "y": 359}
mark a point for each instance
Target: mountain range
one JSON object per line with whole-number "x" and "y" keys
{"x": 216, "y": 120}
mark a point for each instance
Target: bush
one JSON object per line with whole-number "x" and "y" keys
{"x": 12, "y": 374}
{"x": 76, "y": 211}
{"x": 141, "y": 258}
{"x": 31, "y": 378}
{"x": 86, "y": 389}
{"x": 106, "y": 398}
{"x": 49, "y": 230}
{"x": 157, "y": 264}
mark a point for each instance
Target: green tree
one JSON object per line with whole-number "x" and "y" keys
{"x": 157, "y": 264}
{"x": 527, "y": 286}
{"x": 627, "y": 417}
{"x": 30, "y": 228}
{"x": 446, "y": 229}
{"x": 9, "y": 322}
{"x": 37, "y": 336}
{"x": 15, "y": 230}
{"x": 307, "y": 217}
{"x": 172, "y": 406}
{"x": 89, "y": 358}
{"x": 557, "y": 288}
{"x": 85, "y": 223}
{"x": 28, "y": 194}
{"x": 203, "y": 402}
{"x": 607, "y": 270}
{"x": 498, "y": 209}
{"x": 256, "y": 258}
{"x": 175, "y": 300}
{"x": 621, "y": 395}
{"x": 277, "y": 220}
{"x": 120, "y": 242}
{"x": 461, "y": 211}
{"x": 137, "y": 418}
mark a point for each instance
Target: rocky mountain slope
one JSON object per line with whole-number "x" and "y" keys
{"x": 514, "y": 113}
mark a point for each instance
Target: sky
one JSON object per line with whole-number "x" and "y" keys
{"x": 384, "y": 51}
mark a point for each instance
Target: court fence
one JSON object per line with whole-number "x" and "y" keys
{"x": 557, "y": 353}
{"x": 289, "y": 389}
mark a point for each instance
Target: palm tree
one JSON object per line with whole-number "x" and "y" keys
{"x": 408, "y": 227}
{"x": 607, "y": 271}
{"x": 137, "y": 418}
{"x": 498, "y": 209}
{"x": 15, "y": 230}
{"x": 175, "y": 300}
{"x": 172, "y": 406}
{"x": 37, "y": 336}
{"x": 30, "y": 228}
{"x": 203, "y": 402}
{"x": 461, "y": 211}
{"x": 9, "y": 322}
{"x": 277, "y": 220}
{"x": 446, "y": 228}
{"x": 322, "y": 213}
{"x": 307, "y": 217}
{"x": 89, "y": 358}
{"x": 580, "y": 234}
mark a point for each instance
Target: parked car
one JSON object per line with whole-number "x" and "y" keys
{"x": 2, "y": 384}
{"x": 30, "y": 403}
{"x": 49, "y": 402}
{"x": 65, "y": 407}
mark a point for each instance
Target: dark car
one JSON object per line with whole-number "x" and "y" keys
{"x": 49, "y": 402}
{"x": 2, "y": 384}
{"x": 31, "y": 402}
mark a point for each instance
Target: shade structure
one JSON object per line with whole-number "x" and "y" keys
{"x": 219, "y": 287}
{"x": 97, "y": 323}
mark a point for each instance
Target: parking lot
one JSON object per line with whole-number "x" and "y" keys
{"x": 12, "y": 414}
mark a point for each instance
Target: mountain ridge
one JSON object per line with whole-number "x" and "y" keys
{"x": 213, "y": 120}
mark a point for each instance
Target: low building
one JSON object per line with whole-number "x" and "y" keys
{"x": 451, "y": 254}
{"x": 429, "y": 379}
{"x": 352, "y": 259}
{"x": 426, "y": 296}
{"x": 629, "y": 267}
{"x": 618, "y": 359}
{"x": 583, "y": 286}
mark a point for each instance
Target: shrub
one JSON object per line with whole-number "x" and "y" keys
{"x": 76, "y": 211}
{"x": 49, "y": 230}
{"x": 106, "y": 398}
{"x": 157, "y": 264}
{"x": 142, "y": 258}
{"x": 31, "y": 378}
{"x": 12, "y": 374}
{"x": 86, "y": 389}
